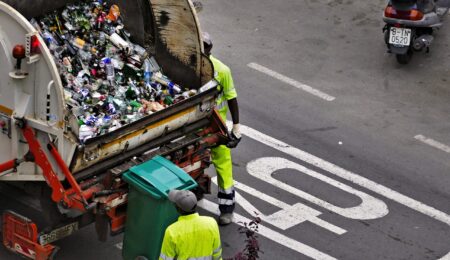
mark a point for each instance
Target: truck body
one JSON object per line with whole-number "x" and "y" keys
{"x": 39, "y": 140}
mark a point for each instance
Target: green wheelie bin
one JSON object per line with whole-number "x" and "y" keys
{"x": 149, "y": 211}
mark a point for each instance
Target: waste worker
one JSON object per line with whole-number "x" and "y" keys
{"x": 192, "y": 236}
{"x": 221, "y": 155}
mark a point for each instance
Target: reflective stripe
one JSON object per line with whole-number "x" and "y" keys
{"x": 220, "y": 97}
{"x": 190, "y": 258}
{"x": 217, "y": 250}
{"x": 201, "y": 258}
{"x": 226, "y": 202}
{"x": 221, "y": 101}
{"x": 164, "y": 257}
{"x": 222, "y": 105}
{"x": 227, "y": 191}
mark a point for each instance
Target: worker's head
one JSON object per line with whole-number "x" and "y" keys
{"x": 184, "y": 200}
{"x": 207, "y": 43}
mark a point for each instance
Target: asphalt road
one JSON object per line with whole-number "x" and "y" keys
{"x": 362, "y": 184}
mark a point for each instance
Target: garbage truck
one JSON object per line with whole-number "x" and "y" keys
{"x": 78, "y": 183}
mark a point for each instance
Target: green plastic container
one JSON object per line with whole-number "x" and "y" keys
{"x": 149, "y": 211}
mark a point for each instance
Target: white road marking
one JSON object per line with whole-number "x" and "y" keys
{"x": 345, "y": 174}
{"x": 271, "y": 234}
{"x": 446, "y": 257}
{"x": 289, "y": 216}
{"x": 291, "y": 82}
{"x": 119, "y": 245}
{"x": 369, "y": 208}
{"x": 433, "y": 143}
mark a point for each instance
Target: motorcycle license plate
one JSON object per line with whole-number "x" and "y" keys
{"x": 400, "y": 36}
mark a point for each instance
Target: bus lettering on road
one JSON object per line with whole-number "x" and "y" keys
{"x": 370, "y": 207}
{"x": 292, "y": 215}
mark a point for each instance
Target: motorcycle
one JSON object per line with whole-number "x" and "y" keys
{"x": 410, "y": 25}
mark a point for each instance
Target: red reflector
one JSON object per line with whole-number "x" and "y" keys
{"x": 390, "y": 12}
{"x": 413, "y": 15}
{"x": 35, "y": 45}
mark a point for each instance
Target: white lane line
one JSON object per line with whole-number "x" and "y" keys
{"x": 345, "y": 174}
{"x": 119, "y": 245}
{"x": 446, "y": 257}
{"x": 291, "y": 82}
{"x": 433, "y": 143}
{"x": 270, "y": 234}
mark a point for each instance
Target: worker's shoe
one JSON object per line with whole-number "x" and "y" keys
{"x": 225, "y": 219}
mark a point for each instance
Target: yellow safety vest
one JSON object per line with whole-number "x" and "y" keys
{"x": 226, "y": 86}
{"x": 192, "y": 237}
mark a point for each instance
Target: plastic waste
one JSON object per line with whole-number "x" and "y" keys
{"x": 108, "y": 80}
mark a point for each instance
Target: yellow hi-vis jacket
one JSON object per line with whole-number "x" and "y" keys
{"x": 226, "y": 86}
{"x": 192, "y": 237}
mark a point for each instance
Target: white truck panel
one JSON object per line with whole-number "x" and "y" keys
{"x": 27, "y": 97}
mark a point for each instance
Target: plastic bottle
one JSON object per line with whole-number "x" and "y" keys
{"x": 101, "y": 39}
{"x": 49, "y": 40}
{"x": 147, "y": 73}
{"x": 172, "y": 87}
{"x": 139, "y": 50}
{"x": 118, "y": 41}
{"x": 69, "y": 48}
{"x": 109, "y": 67}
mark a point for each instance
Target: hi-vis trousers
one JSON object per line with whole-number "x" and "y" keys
{"x": 221, "y": 158}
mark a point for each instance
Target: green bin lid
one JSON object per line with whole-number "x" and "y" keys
{"x": 158, "y": 176}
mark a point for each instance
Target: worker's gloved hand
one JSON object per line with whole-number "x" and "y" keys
{"x": 235, "y": 136}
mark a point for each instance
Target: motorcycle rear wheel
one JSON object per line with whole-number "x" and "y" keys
{"x": 404, "y": 58}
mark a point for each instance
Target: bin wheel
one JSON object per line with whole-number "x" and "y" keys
{"x": 141, "y": 258}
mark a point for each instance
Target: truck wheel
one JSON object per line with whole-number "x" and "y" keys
{"x": 404, "y": 58}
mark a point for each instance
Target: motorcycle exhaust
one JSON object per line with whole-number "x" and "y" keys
{"x": 423, "y": 41}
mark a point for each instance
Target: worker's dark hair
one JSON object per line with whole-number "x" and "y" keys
{"x": 185, "y": 213}
{"x": 207, "y": 43}
{"x": 207, "y": 48}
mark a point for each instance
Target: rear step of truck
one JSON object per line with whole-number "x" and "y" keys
{"x": 20, "y": 235}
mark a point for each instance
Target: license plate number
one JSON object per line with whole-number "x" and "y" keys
{"x": 57, "y": 234}
{"x": 400, "y": 36}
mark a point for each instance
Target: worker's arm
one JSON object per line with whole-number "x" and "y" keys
{"x": 230, "y": 95}
{"x": 235, "y": 132}
{"x": 168, "y": 250}
{"x": 234, "y": 110}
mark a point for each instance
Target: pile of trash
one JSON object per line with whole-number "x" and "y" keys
{"x": 108, "y": 80}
